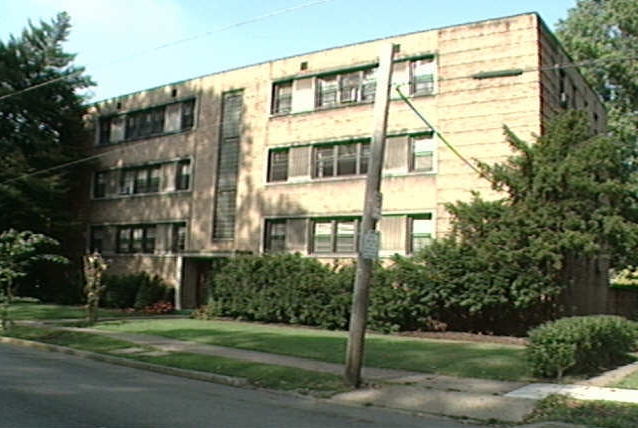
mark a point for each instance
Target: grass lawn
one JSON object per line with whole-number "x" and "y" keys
{"x": 261, "y": 375}
{"x": 630, "y": 382}
{"x": 604, "y": 414}
{"x": 42, "y": 311}
{"x": 482, "y": 360}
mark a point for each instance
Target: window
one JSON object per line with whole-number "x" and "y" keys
{"x": 335, "y": 236}
{"x": 97, "y": 239}
{"x": 183, "y": 175}
{"x": 341, "y": 159}
{"x": 179, "y": 237}
{"x": 136, "y": 239}
{"x": 327, "y": 91}
{"x": 188, "y": 115}
{"x": 99, "y": 185}
{"x": 278, "y": 165}
{"x": 147, "y": 123}
{"x": 420, "y": 232}
{"x": 344, "y": 88}
{"x": 275, "y": 235}
{"x": 282, "y": 98}
{"x": 140, "y": 180}
{"x": 422, "y": 76}
{"x": 422, "y": 151}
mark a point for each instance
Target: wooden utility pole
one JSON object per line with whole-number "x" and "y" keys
{"x": 369, "y": 237}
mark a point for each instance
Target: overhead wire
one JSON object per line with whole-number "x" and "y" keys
{"x": 170, "y": 44}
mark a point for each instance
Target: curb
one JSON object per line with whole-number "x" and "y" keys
{"x": 172, "y": 371}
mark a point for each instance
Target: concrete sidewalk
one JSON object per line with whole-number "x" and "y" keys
{"x": 480, "y": 399}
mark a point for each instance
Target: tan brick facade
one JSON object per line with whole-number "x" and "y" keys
{"x": 293, "y": 174}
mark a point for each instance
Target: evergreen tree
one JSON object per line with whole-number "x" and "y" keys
{"x": 39, "y": 129}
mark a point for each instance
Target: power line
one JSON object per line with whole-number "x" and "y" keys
{"x": 441, "y": 137}
{"x": 166, "y": 45}
{"x": 403, "y": 97}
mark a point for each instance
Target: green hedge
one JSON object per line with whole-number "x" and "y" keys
{"x": 432, "y": 291}
{"x": 580, "y": 344}
{"x": 137, "y": 290}
{"x": 279, "y": 288}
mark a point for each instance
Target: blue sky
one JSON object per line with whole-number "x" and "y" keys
{"x": 118, "y": 40}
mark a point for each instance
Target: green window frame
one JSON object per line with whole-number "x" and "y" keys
{"x": 96, "y": 241}
{"x": 99, "y": 184}
{"x": 422, "y": 72}
{"x": 421, "y": 227}
{"x": 282, "y": 97}
{"x": 423, "y": 153}
{"x": 341, "y": 159}
{"x": 278, "y": 165}
{"x": 275, "y": 238}
{"x": 136, "y": 239}
{"x": 183, "y": 174}
{"x": 339, "y": 235}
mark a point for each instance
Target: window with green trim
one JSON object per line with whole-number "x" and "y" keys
{"x": 275, "y": 239}
{"x": 335, "y": 236}
{"x": 422, "y": 154}
{"x": 282, "y": 98}
{"x": 97, "y": 239}
{"x": 178, "y": 243}
{"x": 277, "y": 165}
{"x": 136, "y": 239}
{"x": 99, "y": 184}
{"x": 341, "y": 159}
{"x": 346, "y": 88}
{"x": 421, "y": 232}
{"x": 183, "y": 174}
{"x": 140, "y": 180}
{"x": 151, "y": 122}
{"x": 422, "y": 74}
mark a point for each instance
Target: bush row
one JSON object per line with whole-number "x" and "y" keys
{"x": 138, "y": 290}
{"x": 580, "y": 344}
{"x": 411, "y": 294}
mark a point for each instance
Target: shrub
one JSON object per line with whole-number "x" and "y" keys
{"x": 580, "y": 344}
{"x": 282, "y": 288}
{"x": 137, "y": 290}
{"x": 151, "y": 290}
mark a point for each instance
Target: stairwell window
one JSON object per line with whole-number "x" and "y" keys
{"x": 422, "y": 73}
{"x": 282, "y": 98}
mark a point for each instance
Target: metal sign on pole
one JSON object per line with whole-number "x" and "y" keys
{"x": 369, "y": 245}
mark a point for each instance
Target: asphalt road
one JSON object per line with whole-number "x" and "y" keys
{"x": 47, "y": 389}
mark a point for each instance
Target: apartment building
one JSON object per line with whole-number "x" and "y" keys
{"x": 273, "y": 156}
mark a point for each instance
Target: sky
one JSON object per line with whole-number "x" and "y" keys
{"x": 131, "y": 45}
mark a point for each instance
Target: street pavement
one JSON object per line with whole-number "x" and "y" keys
{"x": 39, "y": 388}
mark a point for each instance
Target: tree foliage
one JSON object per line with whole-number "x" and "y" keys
{"x": 18, "y": 251}
{"x": 606, "y": 31}
{"x": 39, "y": 129}
{"x": 569, "y": 195}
